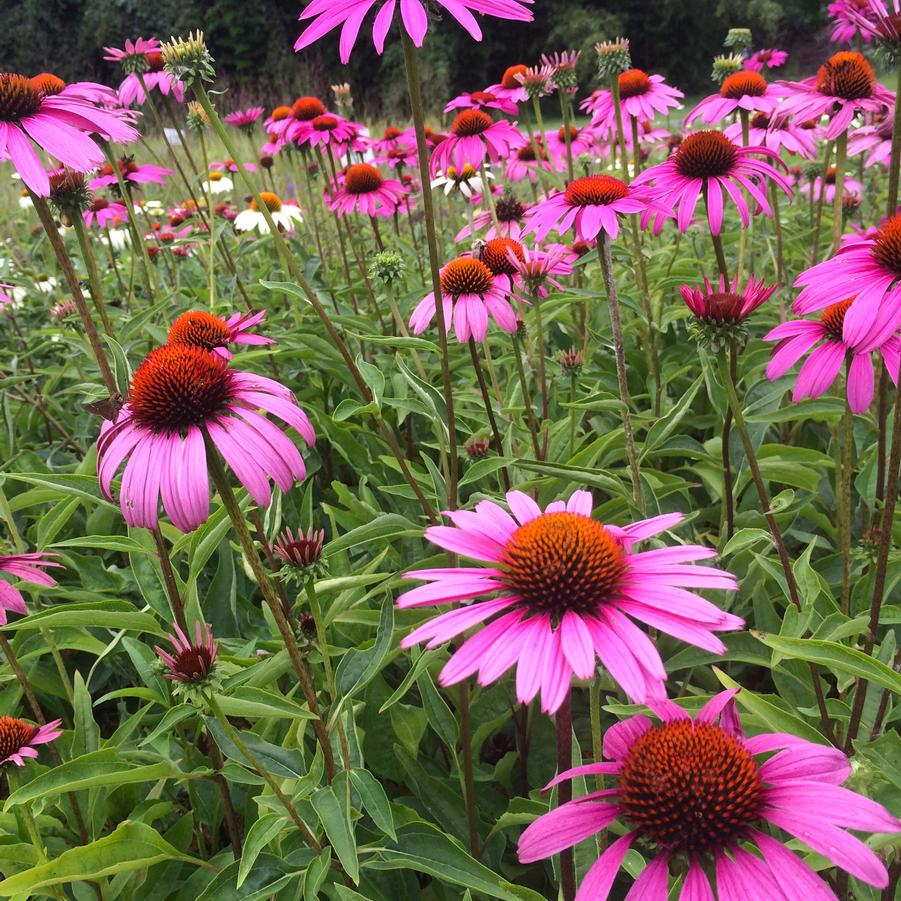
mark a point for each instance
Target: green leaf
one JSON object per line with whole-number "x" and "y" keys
{"x": 745, "y": 538}
{"x": 96, "y": 614}
{"x": 483, "y": 468}
{"x": 285, "y": 763}
{"x": 133, "y": 846}
{"x": 99, "y": 768}
{"x": 665, "y": 426}
{"x": 104, "y": 542}
{"x": 82, "y": 486}
{"x": 249, "y": 701}
{"x": 335, "y": 819}
{"x": 357, "y": 668}
{"x": 426, "y": 849}
{"x": 266, "y": 828}
{"x": 441, "y": 718}
{"x": 837, "y": 657}
{"x": 384, "y": 526}
{"x": 374, "y": 800}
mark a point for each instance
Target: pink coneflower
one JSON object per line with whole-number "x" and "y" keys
{"x": 28, "y": 568}
{"x": 470, "y": 294}
{"x": 568, "y": 589}
{"x": 745, "y": 90}
{"x": 231, "y": 166}
{"x": 707, "y": 162}
{"x": 60, "y": 124}
{"x": 474, "y": 135}
{"x": 198, "y": 328}
{"x": 642, "y": 96}
{"x": 722, "y": 303}
{"x": 581, "y": 140}
{"x": 824, "y": 186}
{"x": 103, "y": 213}
{"x": 49, "y": 85}
{"x": 130, "y": 171}
{"x": 875, "y": 140}
{"x": 391, "y": 137}
{"x": 144, "y": 56}
{"x": 363, "y": 189}
{"x": 192, "y": 661}
{"x": 244, "y": 119}
{"x": 867, "y": 269}
{"x": 180, "y": 396}
{"x": 823, "y": 366}
{"x": 846, "y": 20}
{"x": 537, "y": 80}
{"x": 778, "y": 133}
{"x": 328, "y": 15}
{"x": 878, "y": 21}
{"x": 481, "y": 100}
{"x": 843, "y": 87}
{"x": 299, "y": 550}
{"x": 18, "y": 739}
{"x": 5, "y": 298}
{"x": 327, "y": 131}
{"x": 511, "y": 217}
{"x": 693, "y": 790}
{"x": 536, "y": 268}
{"x": 766, "y": 59}
{"x": 509, "y": 88}
{"x": 400, "y": 157}
{"x": 592, "y": 204}
{"x": 563, "y": 68}
{"x": 521, "y": 162}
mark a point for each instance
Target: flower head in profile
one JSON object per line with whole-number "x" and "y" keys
{"x": 509, "y": 88}
{"x": 61, "y": 124}
{"x": 300, "y": 552}
{"x": 536, "y": 268}
{"x": 142, "y": 60}
{"x": 27, "y": 568}
{"x": 708, "y": 163}
{"x": 537, "y": 80}
{"x": 470, "y": 294}
{"x": 746, "y": 90}
{"x": 642, "y": 96}
{"x": 522, "y": 162}
{"x": 361, "y": 188}
{"x": 19, "y": 740}
{"x": 564, "y": 589}
{"x": 481, "y": 100}
{"x": 613, "y": 57}
{"x": 327, "y": 131}
{"x": 766, "y": 59}
{"x": 284, "y": 215}
{"x": 474, "y": 136}
{"x": 511, "y": 218}
{"x": 191, "y": 665}
{"x": 777, "y": 132}
{"x": 720, "y": 310}
{"x": 868, "y": 271}
{"x": 198, "y": 328}
{"x": 846, "y": 24}
{"x": 694, "y": 793}
{"x": 829, "y": 353}
{"x": 726, "y": 64}
{"x": 182, "y": 400}
{"x": 132, "y": 174}
{"x": 103, "y": 213}
{"x": 467, "y": 181}
{"x": 590, "y": 205}
{"x": 328, "y": 15}
{"x": 844, "y": 86}
{"x": 563, "y": 69}
{"x": 875, "y": 140}
{"x": 244, "y": 119}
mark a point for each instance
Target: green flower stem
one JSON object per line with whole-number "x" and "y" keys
{"x": 815, "y": 243}
{"x": 74, "y": 285}
{"x": 125, "y": 292}
{"x": 261, "y": 770}
{"x": 606, "y": 260}
{"x": 542, "y": 374}
{"x": 564, "y": 725}
{"x": 486, "y": 400}
{"x": 636, "y": 148}
{"x": 567, "y": 137}
{"x": 717, "y": 244}
{"x": 422, "y": 152}
{"x": 536, "y": 105}
{"x": 469, "y": 794}
{"x": 527, "y": 118}
{"x": 211, "y": 261}
{"x": 745, "y": 232}
{"x": 301, "y": 279}
{"x": 322, "y": 641}
{"x": 489, "y": 198}
{"x": 526, "y": 396}
{"x": 841, "y": 159}
{"x": 844, "y": 481}
{"x": 230, "y": 502}
{"x": 176, "y": 603}
{"x": 572, "y": 416}
{"x": 621, "y": 134}
{"x": 647, "y": 308}
{"x": 725, "y": 375}
{"x": 90, "y": 263}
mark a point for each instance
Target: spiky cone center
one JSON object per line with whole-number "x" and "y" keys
{"x": 690, "y": 788}
{"x": 833, "y": 318}
{"x": 19, "y": 97}
{"x": 705, "y": 154}
{"x": 760, "y": 120}
{"x": 391, "y": 133}
{"x": 324, "y": 123}
{"x": 14, "y": 735}
{"x": 722, "y": 306}
{"x": 595, "y": 190}
{"x": 154, "y": 61}
{"x": 192, "y": 664}
{"x": 178, "y": 386}
{"x": 471, "y": 122}
{"x": 47, "y": 84}
{"x": 482, "y": 97}
{"x": 307, "y": 108}
{"x": 280, "y": 113}
{"x": 526, "y": 153}
{"x": 465, "y": 275}
{"x": 215, "y": 175}
{"x": 495, "y": 255}
{"x": 361, "y": 178}
{"x": 571, "y": 362}
{"x": 271, "y": 201}
{"x": 743, "y": 84}
{"x": 509, "y": 80}
{"x": 848, "y": 75}
{"x": 573, "y": 133}
{"x": 198, "y": 328}
{"x": 633, "y": 83}
{"x": 301, "y": 550}
{"x": 476, "y": 448}
{"x": 562, "y": 562}
{"x": 509, "y": 209}
{"x": 887, "y": 245}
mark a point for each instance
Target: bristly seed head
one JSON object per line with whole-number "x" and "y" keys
{"x": 14, "y": 735}
{"x": 466, "y": 275}
{"x": 743, "y": 84}
{"x": 633, "y": 83}
{"x": 705, "y": 154}
{"x": 471, "y": 122}
{"x": 494, "y": 255}
{"x": 833, "y": 318}
{"x": 847, "y": 75}
{"x": 19, "y": 97}
{"x": 887, "y": 245}
{"x": 361, "y": 178}
{"x": 596, "y": 190}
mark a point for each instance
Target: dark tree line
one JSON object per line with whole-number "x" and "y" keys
{"x": 252, "y": 41}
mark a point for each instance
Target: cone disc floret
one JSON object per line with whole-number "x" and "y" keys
{"x": 705, "y": 154}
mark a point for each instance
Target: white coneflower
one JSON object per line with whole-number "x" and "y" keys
{"x": 217, "y": 183}
{"x": 284, "y": 215}
{"x": 119, "y": 238}
{"x": 468, "y": 181}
